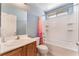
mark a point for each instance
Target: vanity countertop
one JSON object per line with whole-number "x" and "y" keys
{"x": 8, "y": 46}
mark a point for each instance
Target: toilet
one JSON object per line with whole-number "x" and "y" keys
{"x": 42, "y": 49}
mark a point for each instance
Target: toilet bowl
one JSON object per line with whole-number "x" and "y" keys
{"x": 43, "y": 50}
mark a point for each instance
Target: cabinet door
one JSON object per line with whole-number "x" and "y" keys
{"x": 16, "y": 52}
{"x": 30, "y": 49}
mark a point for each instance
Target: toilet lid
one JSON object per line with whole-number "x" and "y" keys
{"x": 42, "y": 47}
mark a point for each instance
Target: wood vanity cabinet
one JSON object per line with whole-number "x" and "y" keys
{"x": 27, "y": 50}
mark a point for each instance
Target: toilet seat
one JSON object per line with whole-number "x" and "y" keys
{"x": 43, "y": 47}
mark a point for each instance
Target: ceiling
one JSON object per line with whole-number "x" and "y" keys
{"x": 21, "y": 6}
{"x": 46, "y": 6}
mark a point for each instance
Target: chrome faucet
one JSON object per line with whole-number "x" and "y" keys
{"x": 18, "y": 38}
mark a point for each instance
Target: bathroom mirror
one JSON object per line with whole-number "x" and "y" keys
{"x": 13, "y": 21}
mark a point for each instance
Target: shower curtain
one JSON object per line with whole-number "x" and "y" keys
{"x": 40, "y": 30}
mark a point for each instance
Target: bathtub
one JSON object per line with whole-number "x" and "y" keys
{"x": 57, "y": 50}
